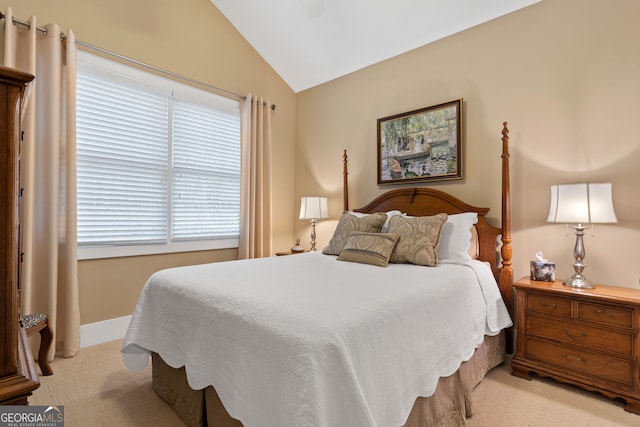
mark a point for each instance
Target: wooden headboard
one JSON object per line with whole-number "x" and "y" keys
{"x": 494, "y": 242}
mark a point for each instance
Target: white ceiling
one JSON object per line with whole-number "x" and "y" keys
{"x": 309, "y": 42}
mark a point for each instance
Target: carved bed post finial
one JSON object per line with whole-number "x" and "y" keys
{"x": 506, "y": 272}
{"x": 345, "y": 183}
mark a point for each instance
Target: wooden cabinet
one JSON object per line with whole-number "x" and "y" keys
{"x": 587, "y": 337}
{"x": 18, "y": 377}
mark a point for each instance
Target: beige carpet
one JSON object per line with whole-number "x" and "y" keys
{"x": 96, "y": 389}
{"x": 504, "y": 400}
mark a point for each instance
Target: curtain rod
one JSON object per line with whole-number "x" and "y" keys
{"x": 135, "y": 61}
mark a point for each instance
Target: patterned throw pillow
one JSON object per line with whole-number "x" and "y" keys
{"x": 348, "y": 224}
{"x": 419, "y": 238}
{"x": 385, "y": 226}
{"x": 369, "y": 248}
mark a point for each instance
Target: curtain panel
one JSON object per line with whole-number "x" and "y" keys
{"x": 255, "y": 182}
{"x": 49, "y": 269}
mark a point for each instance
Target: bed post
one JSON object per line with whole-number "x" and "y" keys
{"x": 345, "y": 183}
{"x": 506, "y": 270}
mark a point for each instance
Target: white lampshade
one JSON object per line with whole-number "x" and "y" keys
{"x": 582, "y": 203}
{"x": 313, "y": 208}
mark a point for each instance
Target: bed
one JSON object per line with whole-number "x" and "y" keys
{"x": 341, "y": 337}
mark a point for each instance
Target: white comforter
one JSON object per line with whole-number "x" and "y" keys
{"x": 307, "y": 340}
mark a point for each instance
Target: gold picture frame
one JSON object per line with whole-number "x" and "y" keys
{"x": 421, "y": 145}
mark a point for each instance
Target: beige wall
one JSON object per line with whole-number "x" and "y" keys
{"x": 565, "y": 74}
{"x": 191, "y": 38}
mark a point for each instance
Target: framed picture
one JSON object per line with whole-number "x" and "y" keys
{"x": 421, "y": 145}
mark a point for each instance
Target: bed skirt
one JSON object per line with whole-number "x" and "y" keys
{"x": 449, "y": 406}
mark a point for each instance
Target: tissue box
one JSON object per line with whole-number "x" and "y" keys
{"x": 543, "y": 271}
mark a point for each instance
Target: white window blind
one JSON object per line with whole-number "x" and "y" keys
{"x": 206, "y": 171}
{"x": 158, "y": 161}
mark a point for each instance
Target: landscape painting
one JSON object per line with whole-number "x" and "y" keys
{"x": 421, "y": 145}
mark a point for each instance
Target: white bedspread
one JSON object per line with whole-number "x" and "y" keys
{"x": 307, "y": 340}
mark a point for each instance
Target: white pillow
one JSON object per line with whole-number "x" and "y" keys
{"x": 385, "y": 226}
{"x": 455, "y": 237}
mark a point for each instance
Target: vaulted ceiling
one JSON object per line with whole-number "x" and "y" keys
{"x": 309, "y": 42}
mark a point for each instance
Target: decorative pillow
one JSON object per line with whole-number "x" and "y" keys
{"x": 419, "y": 238}
{"x": 349, "y": 223}
{"x": 369, "y": 248}
{"x": 455, "y": 242}
{"x": 385, "y": 226}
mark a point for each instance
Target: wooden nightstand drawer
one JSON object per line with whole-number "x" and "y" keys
{"x": 606, "y": 314}
{"x": 549, "y": 305}
{"x": 569, "y": 332}
{"x": 604, "y": 367}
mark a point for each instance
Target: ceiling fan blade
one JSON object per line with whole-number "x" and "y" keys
{"x": 313, "y": 8}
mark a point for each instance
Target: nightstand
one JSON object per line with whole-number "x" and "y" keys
{"x": 288, "y": 253}
{"x": 589, "y": 337}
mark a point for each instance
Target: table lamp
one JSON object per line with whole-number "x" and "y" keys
{"x": 312, "y": 209}
{"x": 581, "y": 204}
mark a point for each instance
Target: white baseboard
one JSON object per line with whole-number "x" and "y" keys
{"x": 105, "y": 331}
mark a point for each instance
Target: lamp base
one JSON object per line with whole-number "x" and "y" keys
{"x": 579, "y": 282}
{"x": 313, "y": 235}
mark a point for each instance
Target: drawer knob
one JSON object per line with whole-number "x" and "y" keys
{"x": 574, "y": 357}
{"x": 574, "y": 337}
{"x": 548, "y": 306}
{"x": 608, "y": 313}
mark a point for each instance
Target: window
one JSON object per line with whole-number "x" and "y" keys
{"x": 158, "y": 163}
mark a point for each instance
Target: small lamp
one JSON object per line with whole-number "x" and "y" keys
{"x": 312, "y": 209}
{"x": 581, "y": 204}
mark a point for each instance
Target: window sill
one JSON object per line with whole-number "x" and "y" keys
{"x": 98, "y": 252}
